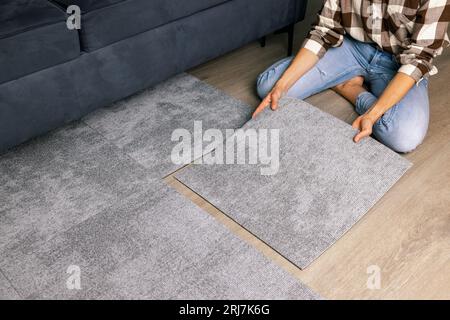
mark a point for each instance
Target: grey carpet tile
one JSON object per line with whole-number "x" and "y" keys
{"x": 59, "y": 180}
{"x": 142, "y": 125}
{"x": 156, "y": 246}
{"x": 7, "y": 292}
{"x": 324, "y": 185}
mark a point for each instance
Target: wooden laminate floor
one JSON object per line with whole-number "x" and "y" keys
{"x": 407, "y": 234}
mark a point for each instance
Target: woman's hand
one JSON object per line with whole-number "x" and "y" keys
{"x": 271, "y": 100}
{"x": 302, "y": 63}
{"x": 365, "y": 125}
{"x": 393, "y": 94}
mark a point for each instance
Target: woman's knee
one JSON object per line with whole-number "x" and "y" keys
{"x": 264, "y": 84}
{"x": 404, "y": 127}
{"x": 267, "y": 80}
{"x": 403, "y": 136}
{"x": 406, "y": 142}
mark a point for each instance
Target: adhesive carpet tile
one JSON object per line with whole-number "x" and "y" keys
{"x": 323, "y": 183}
{"x": 143, "y": 125}
{"x": 158, "y": 245}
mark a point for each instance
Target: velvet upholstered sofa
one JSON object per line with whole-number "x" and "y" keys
{"x": 51, "y": 75}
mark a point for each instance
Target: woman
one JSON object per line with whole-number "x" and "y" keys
{"x": 378, "y": 54}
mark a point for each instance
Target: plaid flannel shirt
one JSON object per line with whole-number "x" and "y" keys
{"x": 415, "y": 31}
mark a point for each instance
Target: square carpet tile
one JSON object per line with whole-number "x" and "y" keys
{"x": 142, "y": 125}
{"x": 155, "y": 246}
{"x": 56, "y": 181}
{"x": 322, "y": 185}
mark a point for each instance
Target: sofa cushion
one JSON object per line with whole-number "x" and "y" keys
{"x": 33, "y": 36}
{"x": 107, "y": 21}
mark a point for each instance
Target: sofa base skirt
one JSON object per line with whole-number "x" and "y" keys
{"x": 37, "y": 103}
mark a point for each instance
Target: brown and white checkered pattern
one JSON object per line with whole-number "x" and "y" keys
{"x": 415, "y": 31}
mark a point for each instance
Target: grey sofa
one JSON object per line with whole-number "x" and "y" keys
{"x": 50, "y": 75}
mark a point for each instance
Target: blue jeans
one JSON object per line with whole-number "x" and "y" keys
{"x": 402, "y": 128}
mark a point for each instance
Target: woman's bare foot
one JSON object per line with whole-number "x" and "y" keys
{"x": 351, "y": 89}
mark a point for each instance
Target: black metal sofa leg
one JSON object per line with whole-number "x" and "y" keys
{"x": 262, "y": 41}
{"x": 290, "y": 32}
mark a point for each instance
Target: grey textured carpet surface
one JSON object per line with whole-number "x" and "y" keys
{"x": 60, "y": 180}
{"x": 324, "y": 185}
{"x": 142, "y": 125}
{"x": 74, "y": 198}
{"x": 7, "y": 292}
{"x": 157, "y": 245}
